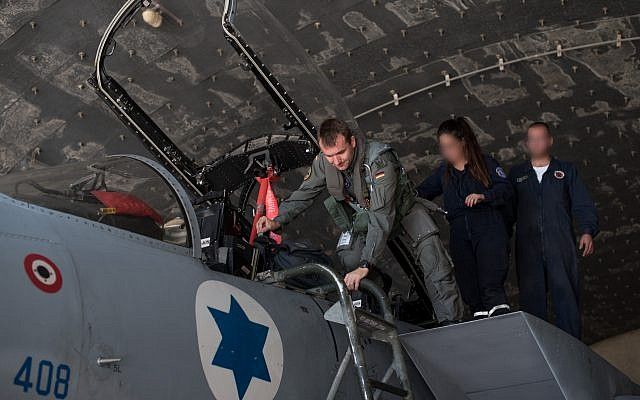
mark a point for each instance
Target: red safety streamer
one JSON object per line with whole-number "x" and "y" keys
{"x": 266, "y": 204}
{"x": 271, "y": 204}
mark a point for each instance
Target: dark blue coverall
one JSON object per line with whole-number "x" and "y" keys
{"x": 546, "y": 255}
{"x": 479, "y": 240}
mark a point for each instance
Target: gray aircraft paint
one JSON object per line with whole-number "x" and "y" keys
{"x": 139, "y": 299}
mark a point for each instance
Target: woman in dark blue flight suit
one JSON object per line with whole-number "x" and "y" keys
{"x": 475, "y": 189}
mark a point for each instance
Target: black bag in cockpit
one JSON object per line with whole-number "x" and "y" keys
{"x": 291, "y": 254}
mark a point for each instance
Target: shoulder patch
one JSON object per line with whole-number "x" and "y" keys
{"x": 559, "y": 174}
{"x": 500, "y": 172}
{"x": 379, "y": 162}
{"x": 308, "y": 174}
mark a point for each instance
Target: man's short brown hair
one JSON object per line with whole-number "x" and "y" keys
{"x": 331, "y": 128}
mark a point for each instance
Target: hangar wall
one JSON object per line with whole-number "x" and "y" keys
{"x": 349, "y": 57}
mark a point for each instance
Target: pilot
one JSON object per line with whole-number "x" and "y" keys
{"x": 549, "y": 194}
{"x": 475, "y": 192}
{"x": 372, "y": 200}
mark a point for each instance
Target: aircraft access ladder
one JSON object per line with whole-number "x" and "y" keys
{"x": 358, "y": 323}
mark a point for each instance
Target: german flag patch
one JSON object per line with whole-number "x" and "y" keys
{"x": 379, "y": 175}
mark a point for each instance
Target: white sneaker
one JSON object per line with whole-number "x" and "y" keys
{"x": 480, "y": 314}
{"x": 500, "y": 309}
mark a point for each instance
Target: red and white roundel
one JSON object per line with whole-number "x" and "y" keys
{"x": 43, "y": 273}
{"x": 559, "y": 174}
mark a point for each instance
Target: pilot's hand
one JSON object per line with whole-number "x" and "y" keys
{"x": 473, "y": 199}
{"x": 353, "y": 278}
{"x": 265, "y": 224}
{"x": 586, "y": 245}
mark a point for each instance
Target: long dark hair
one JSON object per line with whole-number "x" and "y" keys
{"x": 461, "y": 130}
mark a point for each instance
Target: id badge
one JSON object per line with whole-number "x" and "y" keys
{"x": 344, "y": 242}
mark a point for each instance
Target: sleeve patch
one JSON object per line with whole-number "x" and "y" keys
{"x": 500, "y": 172}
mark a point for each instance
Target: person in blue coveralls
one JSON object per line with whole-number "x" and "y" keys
{"x": 548, "y": 196}
{"x": 475, "y": 190}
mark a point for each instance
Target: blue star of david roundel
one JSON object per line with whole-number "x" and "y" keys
{"x": 240, "y": 346}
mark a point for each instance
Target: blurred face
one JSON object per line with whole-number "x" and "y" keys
{"x": 451, "y": 148}
{"x": 538, "y": 142}
{"x": 340, "y": 155}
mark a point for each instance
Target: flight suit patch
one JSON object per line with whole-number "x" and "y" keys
{"x": 379, "y": 163}
{"x": 522, "y": 178}
{"x": 559, "y": 174}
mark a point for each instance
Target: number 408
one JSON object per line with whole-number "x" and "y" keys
{"x": 45, "y": 378}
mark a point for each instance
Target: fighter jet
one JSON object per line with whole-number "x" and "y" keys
{"x": 132, "y": 278}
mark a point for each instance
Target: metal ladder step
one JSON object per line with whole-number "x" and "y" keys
{"x": 374, "y": 327}
{"x": 385, "y": 387}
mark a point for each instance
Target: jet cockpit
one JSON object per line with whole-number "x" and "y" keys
{"x": 220, "y": 191}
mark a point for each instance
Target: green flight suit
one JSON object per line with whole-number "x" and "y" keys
{"x": 376, "y": 196}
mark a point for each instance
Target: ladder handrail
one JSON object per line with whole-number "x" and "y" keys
{"x": 348, "y": 312}
{"x": 399, "y": 364}
{"x": 350, "y": 321}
